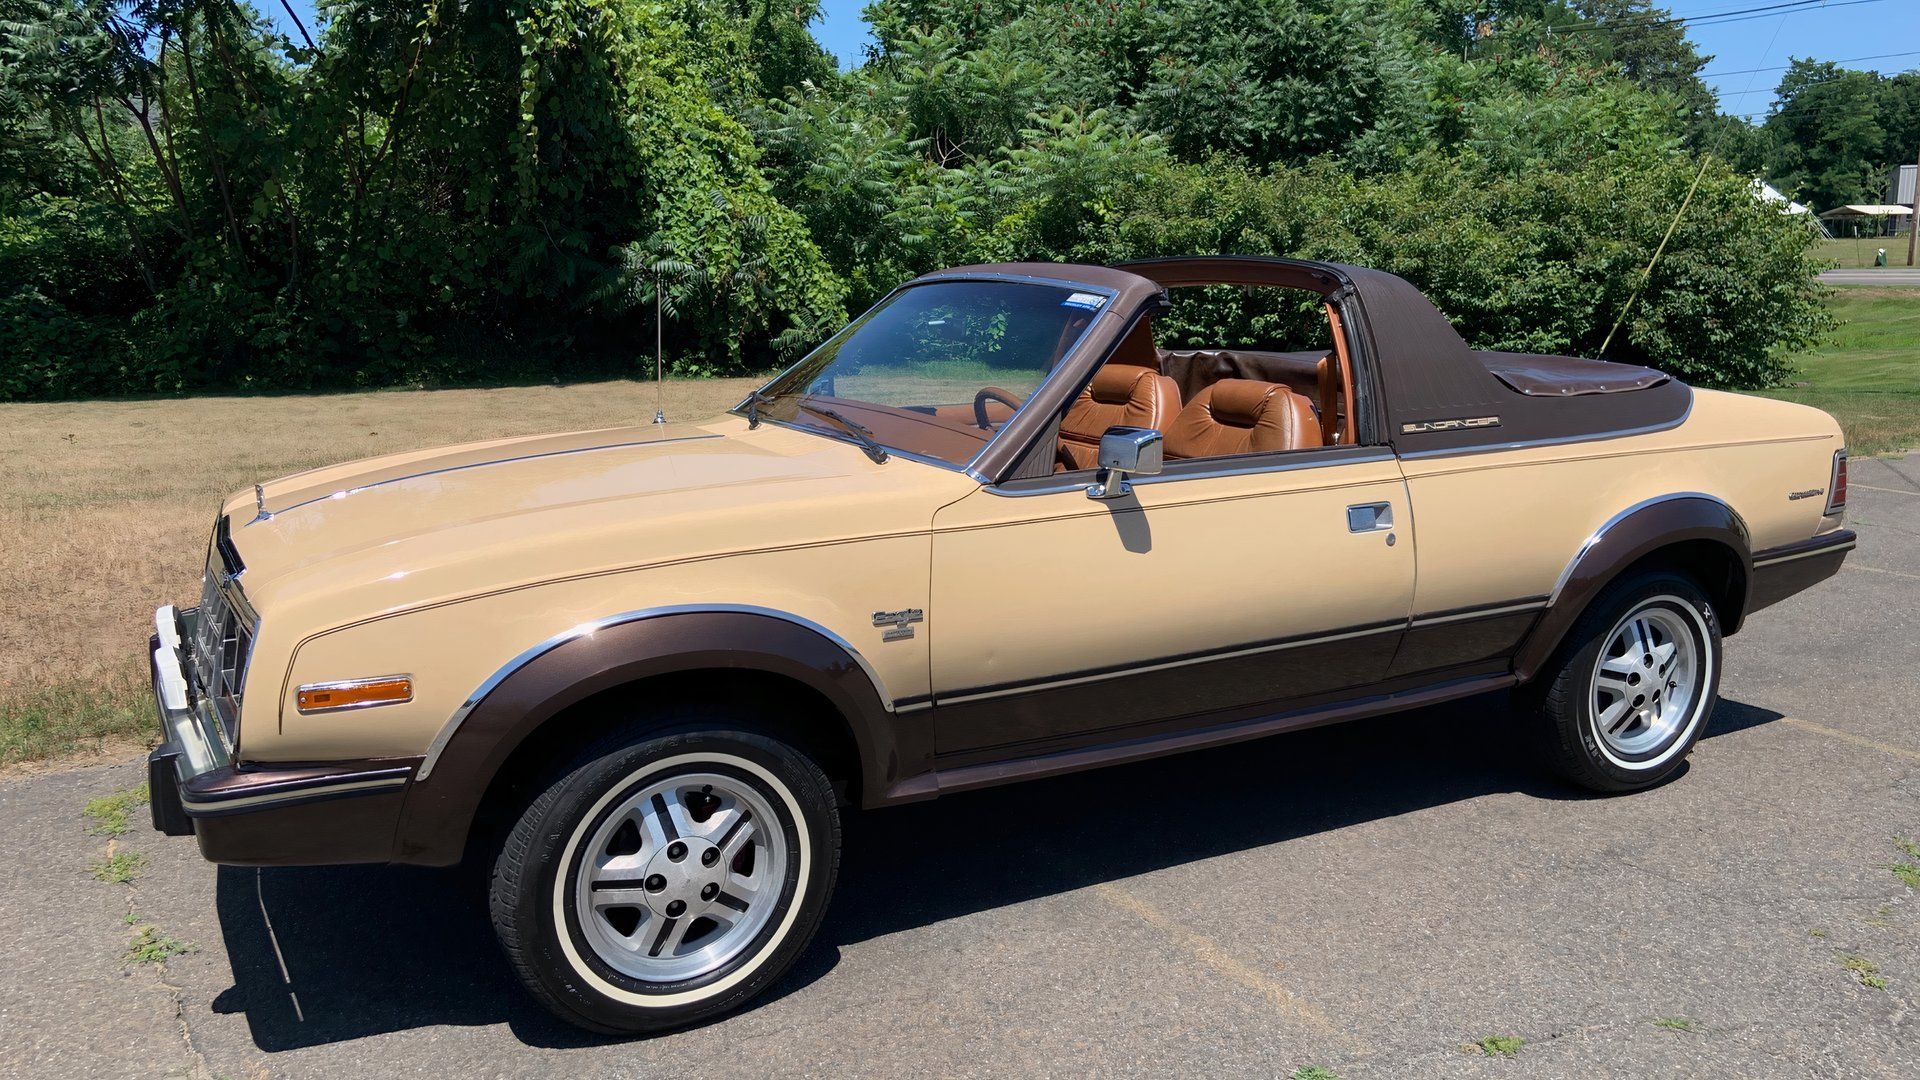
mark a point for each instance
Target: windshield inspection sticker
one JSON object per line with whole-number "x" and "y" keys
{"x": 1090, "y": 301}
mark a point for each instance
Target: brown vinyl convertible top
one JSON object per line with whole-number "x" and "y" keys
{"x": 1436, "y": 395}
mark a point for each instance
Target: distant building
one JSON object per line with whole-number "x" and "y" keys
{"x": 1900, "y": 184}
{"x": 1900, "y": 180}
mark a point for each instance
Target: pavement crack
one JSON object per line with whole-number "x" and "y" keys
{"x": 175, "y": 995}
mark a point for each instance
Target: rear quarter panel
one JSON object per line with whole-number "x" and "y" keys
{"x": 1503, "y": 525}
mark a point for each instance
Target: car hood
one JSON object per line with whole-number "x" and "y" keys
{"x": 428, "y": 526}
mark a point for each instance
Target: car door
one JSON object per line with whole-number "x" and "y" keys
{"x": 1214, "y": 590}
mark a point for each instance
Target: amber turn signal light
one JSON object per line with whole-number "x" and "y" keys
{"x": 354, "y": 694}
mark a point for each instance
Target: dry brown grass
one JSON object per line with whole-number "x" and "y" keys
{"x": 105, "y": 509}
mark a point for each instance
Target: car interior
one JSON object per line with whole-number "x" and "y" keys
{"x": 1213, "y": 402}
{"x": 1259, "y": 395}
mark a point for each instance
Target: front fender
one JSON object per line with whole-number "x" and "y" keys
{"x": 542, "y": 683}
{"x": 1625, "y": 539}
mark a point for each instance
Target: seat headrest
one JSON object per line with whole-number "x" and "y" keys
{"x": 1115, "y": 384}
{"x": 1240, "y": 402}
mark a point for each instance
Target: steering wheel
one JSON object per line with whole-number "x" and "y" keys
{"x": 992, "y": 393}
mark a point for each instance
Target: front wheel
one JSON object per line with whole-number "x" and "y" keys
{"x": 666, "y": 879}
{"x": 1626, "y": 697}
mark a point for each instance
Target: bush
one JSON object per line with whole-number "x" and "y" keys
{"x": 1541, "y": 261}
{"x": 448, "y": 192}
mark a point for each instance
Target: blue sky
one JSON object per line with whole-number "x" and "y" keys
{"x": 1836, "y": 30}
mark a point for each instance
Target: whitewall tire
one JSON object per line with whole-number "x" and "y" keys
{"x": 1628, "y": 694}
{"x": 665, "y": 879}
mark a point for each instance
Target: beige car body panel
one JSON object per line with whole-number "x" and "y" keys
{"x": 1499, "y": 525}
{"x": 447, "y": 567}
{"x": 447, "y": 576}
{"x": 1028, "y": 587}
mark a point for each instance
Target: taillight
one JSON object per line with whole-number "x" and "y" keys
{"x": 1837, "y": 485}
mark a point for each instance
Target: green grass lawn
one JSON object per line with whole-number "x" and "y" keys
{"x": 1859, "y": 251}
{"x": 1868, "y": 375}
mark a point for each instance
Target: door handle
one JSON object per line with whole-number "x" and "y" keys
{"x": 1370, "y": 517}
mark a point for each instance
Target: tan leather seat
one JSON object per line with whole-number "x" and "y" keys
{"x": 1120, "y": 394}
{"x": 1127, "y": 391}
{"x": 1242, "y": 416}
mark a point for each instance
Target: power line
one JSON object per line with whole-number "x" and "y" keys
{"x": 1811, "y": 110}
{"x": 1712, "y": 18}
{"x": 1772, "y": 90}
{"x": 1783, "y": 67}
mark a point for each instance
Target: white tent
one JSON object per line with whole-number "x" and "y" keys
{"x": 1766, "y": 192}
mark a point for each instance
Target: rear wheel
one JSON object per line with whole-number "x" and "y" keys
{"x": 1627, "y": 696}
{"x": 665, "y": 879}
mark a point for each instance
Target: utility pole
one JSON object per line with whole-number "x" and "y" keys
{"x": 1913, "y": 220}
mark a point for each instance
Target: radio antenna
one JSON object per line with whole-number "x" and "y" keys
{"x": 659, "y": 362}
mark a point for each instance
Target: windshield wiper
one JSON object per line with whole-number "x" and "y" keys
{"x": 860, "y": 435}
{"x": 753, "y": 403}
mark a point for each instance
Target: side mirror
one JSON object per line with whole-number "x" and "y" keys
{"x": 1124, "y": 452}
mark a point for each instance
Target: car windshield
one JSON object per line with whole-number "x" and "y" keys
{"x": 936, "y": 369}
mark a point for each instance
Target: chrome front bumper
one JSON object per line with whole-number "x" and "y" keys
{"x": 258, "y": 814}
{"x": 193, "y": 743}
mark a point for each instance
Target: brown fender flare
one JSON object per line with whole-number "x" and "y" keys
{"x": 1625, "y": 539}
{"x": 543, "y": 682}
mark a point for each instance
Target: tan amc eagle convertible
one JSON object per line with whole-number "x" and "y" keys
{"x": 1014, "y": 521}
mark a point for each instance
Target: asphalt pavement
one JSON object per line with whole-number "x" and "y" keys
{"x": 1374, "y": 899}
{"x": 1888, "y": 275}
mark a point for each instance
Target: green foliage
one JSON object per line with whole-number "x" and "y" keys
{"x": 429, "y": 175}
{"x": 107, "y": 815}
{"x": 118, "y": 868}
{"x": 1907, "y": 869}
{"x": 1864, "y": 971}
{"x": 151, "y": 945}
{"x": 190, "y": 200}
{"x": 1497, "y": 1045}
{"x": 1827, "y": 138}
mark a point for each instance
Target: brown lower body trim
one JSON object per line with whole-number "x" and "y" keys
{"x": 294, "y": 815}
{"x": 314, "y": 833}
{"x": 1017, "y": 720}
{"x": 987, "y": 774}
{"x": 1782, "y": 571}
{"x": 1450, "y": 639}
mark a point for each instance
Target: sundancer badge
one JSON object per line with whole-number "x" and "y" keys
{"x": 1418, "y": 427}
{"x": 899, "y": 623}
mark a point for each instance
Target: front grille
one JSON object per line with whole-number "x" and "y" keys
{"x": 223, "y": 634}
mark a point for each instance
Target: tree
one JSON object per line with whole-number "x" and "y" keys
{"x": 1827, "y": 138}
{"x": 1899, "y": 114}
{"x": 434, "y": 190}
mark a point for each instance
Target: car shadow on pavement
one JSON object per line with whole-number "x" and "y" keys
{"x": 369, "y": 950}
